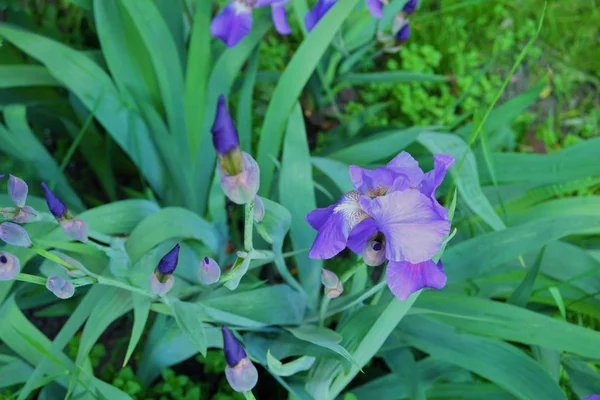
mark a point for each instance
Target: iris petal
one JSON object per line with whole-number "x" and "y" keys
{"x": 404, "y": 278}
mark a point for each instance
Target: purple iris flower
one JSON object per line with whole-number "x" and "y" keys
{"x": 162, "y": 280}
{"x": 234, "y": 22}
{"x": 323, "y": 6}
{"x": 392, "y": 215}
{"x": 592, "y": 397}
{"x": 240, "y": 372}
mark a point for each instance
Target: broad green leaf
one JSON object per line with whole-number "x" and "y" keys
{"x": 322, "y": 337}
{"x": 289, "y": 368}
{"x": 370, "y": 337}
{"x": 390, "y": 77}
{"x": 402, "y": 363}
{"x": 504, "y": 321}
{"x": 584, "y": 380}
{"x": 141, "y": 310}
{"x": 14, "y": 372}
{"x": 95, "y": 89}
{"x": 245, "y": 104}
{"x": 520, "y": 297}
{"x": 295, "y": 76}
{"x": 190, "y": 319}
{"x": 271, "y": 305}
{"x": 167, "y": 345}
{"x": 32, "y": 151}
{"x": 169, "y": 223}
{"x": 468, "y": 179}
{"x": 570, "y": 206}
{"x": 570, "y": 163}
{"x": 471, "y": 258}
{"x": 297, "y": 194}
{"x": 336, "y": 171}
{"x": 197, "y": 73}
{"x": 12, "y": 76}
{"x": 468, "y": 391}
{"x": 172, "y": 13}
{"x": 494, "y": 360}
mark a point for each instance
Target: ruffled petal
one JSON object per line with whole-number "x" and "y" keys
{"x": 434, "y": 178}
{"x": 404, "y": 278}
{"x": 317, "y": 217}
{"x": 232, "y": 24}
{"x": 405, "y": 164}
{"x": 278, "y": 14}
{"x": 412, "y": 228}
{"x": 375, "y": 8}
{"x": 374, "y": 182}
{"x": 361, "y": 234}
{"x": 331, "y": 238}
{"x": 317, "y": 12}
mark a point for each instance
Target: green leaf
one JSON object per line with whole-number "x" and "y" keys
{"x": 322, "y": 337}
{"x": 12, "y": 76}
{"x": 471, "y": 258}
{"x": 169, "y": 223}
{"x": 494, "y": 360}
{"x": 190, "y": 318}
{"x": 504, "y": 321}
{"x": 197, "y": 73}
{"x": 336, "y": 171}
{"x": 141, "y": 310}
{"x": 271, "y": 305}
{"x": 14, "y": 372}
{"x": 29, "y": 149}
{"x": 520, "y": 297}
{"x": 297, "y": 194}
{"x": 390, "y": 77}
{"x": 93, "y": 86}
{"x": 245, "y": 109}
{"x": 570, "y": 206}
{"x": 287, "y": 91}
{"x": 402, "y": 363}
{"x": 289, "y": 368}
{"x": 468, "y": 180}
{"x": 584, "y": 380}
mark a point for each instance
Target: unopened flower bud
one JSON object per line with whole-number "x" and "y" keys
{"x": 61, "y": 288}
{"x": 17, "y": 190}
{"x": 209, "y": 271}
{"x": 9, "y": 266}
{"x": 74, "y": 228}
{"x": 333, "y": 285}
{"x": 259, "y": 209}
{"x": 240, "y": 372}
{"x": 404, "y": 33}
{"x": 410, "y": 6}
{"x": 14, "y": 234}
{"x": 241, "y": 188}
{"x": 20, "y": 215}
{"x": 161, "y": 281}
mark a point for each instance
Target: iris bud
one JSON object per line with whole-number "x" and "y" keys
{"x": 14, "y": 234}
{"x": 162, "y": 280}
{"x": 240, "y": 372}
{"x": 410, "y": 6}
{"x": 209, "y": 271}
{"x": 333, "y": 285}
{"x": 61, "y": 288}
{"x": 9, "y": 266}
{"x": 74, "y": 228}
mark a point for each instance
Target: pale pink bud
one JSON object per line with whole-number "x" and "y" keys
{"x": 9, "y": 266}
{"x": 243, "y": 376}
{"x": 209, "y": 271}
{"x": 158, "y": 287}
{"x": 75, "y": 229}
{"x": 14, "y": 234}
{"x": 241, "y": 188}
{"x": 61, "y": 288}
{"x": 333, "y": 285}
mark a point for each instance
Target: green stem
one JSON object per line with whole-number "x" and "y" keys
{"x": 38, "y": 280}
{"x": 248, "y": 226}
{"x": 345, "y": 277}
{"x": 115, "y": 283}
{"x": 249, "y": 396}
{"x": 52, "y": 257}
{"x": 323, "y": 310}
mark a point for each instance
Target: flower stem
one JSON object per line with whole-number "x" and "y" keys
{"x": 249, "y": 395}
{"x": 115, "y": 283}
{"x": 323, "y": 310}
{"x": 344, "y": 278}
{"x": 248, "y": 226}
{"x": 38, "y": 280}
{"x": 52, "y": 257}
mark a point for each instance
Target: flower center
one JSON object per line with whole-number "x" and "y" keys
{"x": 243, "y": 6}
{"x": 350, "y": 209}
{"x": 3, "y": 259}
{"x": 377, "y": 245}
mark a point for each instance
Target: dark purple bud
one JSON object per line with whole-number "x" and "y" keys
{"x": 225, "y": 135}
{"x": 55, "y": 205}
{"x": 404, "y": 33}
{"x": 167, "y": 264}
{"x": 234, "y": 352}
{"x": 410, "y": 6}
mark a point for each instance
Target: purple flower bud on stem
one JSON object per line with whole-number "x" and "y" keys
{"x": 55, "y": 205}
{"x": 241, "y": 188}
{"x": 161, "y": 287}
{"x": 167, "y": 264}
{"x": 240, "y": 372}
{"x": 410, "y": 6}
{"x": 75, "y": 228}
{"x": 333, "y": 285}
{"x": 14, "y": 234}
{"x": 9, "y": 266}
{"x": 17, "y": 190}
{"x": 404, "y": 33}
{"x": 225, "y": 135}
{"x": 209, "y": 271}
{"x": 61, "y": 288}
